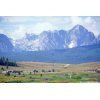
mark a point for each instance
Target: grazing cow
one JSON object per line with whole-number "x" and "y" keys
{"x": 49, "y": 70}
{"x": 35, "y": 71}
{"x": 43, "y": 70}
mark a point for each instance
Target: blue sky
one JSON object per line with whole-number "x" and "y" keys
{"x": 17, "y": 26}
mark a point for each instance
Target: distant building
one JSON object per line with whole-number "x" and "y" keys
{"x": 12, "y": 72}
{"x": 97, "y": 70}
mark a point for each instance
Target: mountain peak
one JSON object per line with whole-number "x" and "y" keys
{"x": 79, "y": 27}
{"x": 5, "y": 44}
{"x": 2, "y": 35}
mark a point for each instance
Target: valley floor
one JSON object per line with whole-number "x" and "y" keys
{"x": 50, "y": 73}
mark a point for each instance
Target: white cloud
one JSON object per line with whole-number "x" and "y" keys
{"x": 17, "y": 19}
{"x": 76, "y": 20}
{"x": 92, "y": 25}
{"x": 18, "y": 33}
{"x": 16, "y": 27}
{"x": 39, "y": 27}
{"x": 88, "y": 22}
{"x": 82, "y": 21}
{"x": 21, "y": 30}
{"x": 1, "y": 31}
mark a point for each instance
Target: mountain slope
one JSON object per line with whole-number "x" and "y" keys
{"x": 80, "y": 36}
{"x": 98, "y": 38}
{"x": 50, "y": 40}
{"x": 81, "y": 54}
{"x": 26, "y": 43}
{"x": 5, "y": 44}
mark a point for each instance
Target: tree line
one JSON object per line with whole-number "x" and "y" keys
{"x": 6, "y": 62}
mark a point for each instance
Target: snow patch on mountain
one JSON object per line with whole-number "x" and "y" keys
{"x": 72, "y": 44}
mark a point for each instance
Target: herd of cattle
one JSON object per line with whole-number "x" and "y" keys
{"x": 15, "y": 72}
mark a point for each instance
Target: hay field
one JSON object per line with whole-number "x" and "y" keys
{"x": 60, "y": 68}
{"x": 53, "y": 73}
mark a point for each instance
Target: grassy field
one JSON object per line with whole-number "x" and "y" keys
{"x": 52, "y": 73}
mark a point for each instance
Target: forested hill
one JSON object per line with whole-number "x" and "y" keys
{"x": 74, "y": 55}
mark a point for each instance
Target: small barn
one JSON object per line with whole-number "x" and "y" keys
{"x": 97, "y": 70}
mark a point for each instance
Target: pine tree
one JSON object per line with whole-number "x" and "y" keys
{"x": 7, "y": 62}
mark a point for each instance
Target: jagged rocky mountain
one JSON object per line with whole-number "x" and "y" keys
{"x": 50, "y": 40}
{"x": 80, "y": 36}
{"x": 57, "y": 39}
{"x": 26, "y": 43}
{"x": 5, "y": 43}
{"x": 98, "y": 38}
